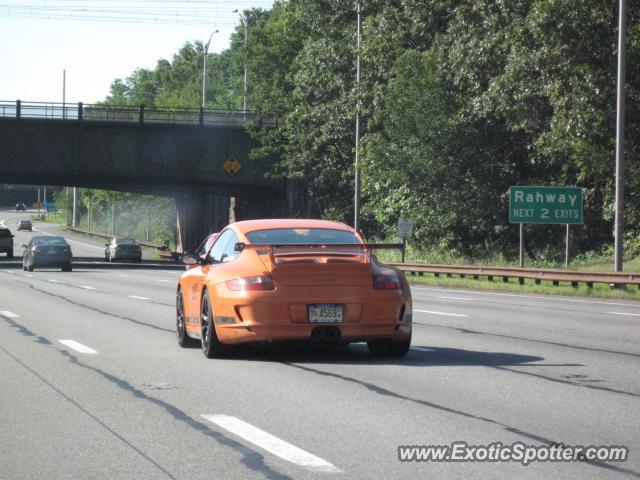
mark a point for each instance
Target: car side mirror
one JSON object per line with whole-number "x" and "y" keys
{"x": 189, "y": 259}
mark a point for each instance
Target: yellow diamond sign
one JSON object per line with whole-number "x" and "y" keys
{"x": 232, "y": 166}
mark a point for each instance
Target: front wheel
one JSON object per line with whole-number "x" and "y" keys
{"x": 387, "y": 348}
{"x": 184, "y": 340}
{"x": 211, "y": 346}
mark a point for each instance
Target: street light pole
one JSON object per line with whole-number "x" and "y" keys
{"x": 204, "y": 68}
{"x": 619, "y": 220}
{"x": 356, "y": 199}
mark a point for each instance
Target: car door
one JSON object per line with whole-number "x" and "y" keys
{"x": 193, "y": 281}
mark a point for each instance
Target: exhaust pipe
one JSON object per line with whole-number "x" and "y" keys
{"x": 325, "y": 333}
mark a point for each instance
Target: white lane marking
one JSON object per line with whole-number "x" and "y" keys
{"x": 87, "y": 287}
{"x": 442, "y": 313}
{"x": 454, "y": 298}
{"x": 272, "y": 444}
{"x": 163, "y": 280}
{"x": 8, "y": 314}
{"x": 71, "y": 241}
{"x": 122, "y": 276}
{"x": 623, "y": 313}
{"x": 53, "y": 281}
{"x": 423, "y": 349}
{"x": 139, "y": 298}
{"x": 78, "y": 347}
{"x": 537, "y": 297}
{"x": 28, "y": 275}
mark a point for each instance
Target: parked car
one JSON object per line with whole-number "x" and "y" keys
{"x": 123, "y": 249}
{"x": 25, "y": 225}
{"x": 47, "y": 252}
{"x": 21, "y": 207}
{"x": 293, "y": 280}
{"x": 6, "y": 242}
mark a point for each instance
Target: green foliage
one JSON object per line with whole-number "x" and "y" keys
{"x": 457, "y": 101}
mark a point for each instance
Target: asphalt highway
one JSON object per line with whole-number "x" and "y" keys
{"x": 93, "y": 385}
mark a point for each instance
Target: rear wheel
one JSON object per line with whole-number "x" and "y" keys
{"x": 10, "y": 254}
{"x": 184, "y": 340}
{"x": 387, "y": 348}
{"x": 211, "y": 346}
{"x": 67, "y": 268}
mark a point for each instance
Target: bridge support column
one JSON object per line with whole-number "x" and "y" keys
{"x": 199, "y": 215}
{"x": 266, "y": 204}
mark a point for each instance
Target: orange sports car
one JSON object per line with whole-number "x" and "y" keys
{"x": 269, "y": 280}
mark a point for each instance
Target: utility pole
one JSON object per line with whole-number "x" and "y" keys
{"x": 356, "y": 199}
{"x": 244, "y": 18}
{"x": 64, "y": 94}
{"x": 619, "y": 220}
{"x": 75, "y": 201}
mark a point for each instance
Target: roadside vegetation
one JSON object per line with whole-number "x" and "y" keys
{"x": 458, "y": 101}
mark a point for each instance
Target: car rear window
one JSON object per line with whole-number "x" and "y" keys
{"x": 126, "y": 241}
{"x": 5, "y": 233}
{"x": 50, "y": 242}
{"x": 304, "y": 236}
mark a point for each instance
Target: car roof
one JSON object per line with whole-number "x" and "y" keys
{"x": 264, "y": 224}
{"x": 48, "y": 236}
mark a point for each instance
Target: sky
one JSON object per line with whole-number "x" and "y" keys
{"x": 98, "y": 41}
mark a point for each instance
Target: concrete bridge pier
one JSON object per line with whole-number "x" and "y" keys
{"x": 199, "y": 215}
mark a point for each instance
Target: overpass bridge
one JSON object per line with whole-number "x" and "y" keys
{"x": 199, "y": 157}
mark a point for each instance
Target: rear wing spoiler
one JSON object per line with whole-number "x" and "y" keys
{"x": 316, "y": 248}
{"x": 240, "y": 246}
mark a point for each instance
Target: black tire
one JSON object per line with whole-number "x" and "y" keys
{"x": 10, "y": 254}
{"x": 184, "y": 340}
{"x": 67, "y": 268}
{"x": 138, "y": 260}
{"x": 387, "y": 348}
{"x": 211, "y": 346}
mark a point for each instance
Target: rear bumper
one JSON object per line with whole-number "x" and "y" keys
{"x": 282, "y": 315}
{"x": 54, "y": 261}
{"x": 127, "y": 255}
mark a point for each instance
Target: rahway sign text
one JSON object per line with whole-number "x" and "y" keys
{"x": 561, "y": 205}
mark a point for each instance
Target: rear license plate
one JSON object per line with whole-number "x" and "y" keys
{"x": 51, "y": 251}
{"x": 325, "y": 313}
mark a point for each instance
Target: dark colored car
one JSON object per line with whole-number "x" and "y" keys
{"x": 47, "y": 252}
{"x": 25, "y": 225}
{"x": 6, "y": 242}
{"x": 123, "y": 249}
{"x": 21, "y": 207}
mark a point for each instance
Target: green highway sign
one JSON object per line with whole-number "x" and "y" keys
{"x": 560, "y": 205}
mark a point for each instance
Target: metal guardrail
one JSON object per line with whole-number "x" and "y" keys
{"x": 537, "y": 274}
{"x": 158, "y": 246}
{"x": 134, "y": 114}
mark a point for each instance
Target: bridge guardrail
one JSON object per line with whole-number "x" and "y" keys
{"x": 537, "y": 274}
{"x": 135, "y": 114}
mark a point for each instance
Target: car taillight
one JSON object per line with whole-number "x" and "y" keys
{"x": 386, "y": 281}
{"x": 251, "y": 284}
{"x": 35, "y": 249}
